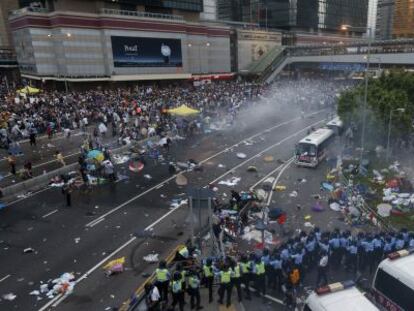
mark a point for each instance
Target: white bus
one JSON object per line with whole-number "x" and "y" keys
{"x": 336, "y": 125}
{"x": 313, "y": 148}
{"x": 393, "y": 284}
{"x": 341, "y": 296}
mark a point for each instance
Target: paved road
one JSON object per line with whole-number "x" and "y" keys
{"x": 102, "y": 224}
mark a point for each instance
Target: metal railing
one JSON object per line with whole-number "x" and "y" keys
{"x": 141, "y": 14}
{"x": 28, "y": 10}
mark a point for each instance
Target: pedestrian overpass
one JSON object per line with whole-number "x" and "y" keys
{"x": 351, "y": 57}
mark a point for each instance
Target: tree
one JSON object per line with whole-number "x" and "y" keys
{"x": 385, "y": 94}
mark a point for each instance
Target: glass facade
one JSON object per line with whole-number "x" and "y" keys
{"x": 185, "y": 5}
{"x": 308, "y": 15}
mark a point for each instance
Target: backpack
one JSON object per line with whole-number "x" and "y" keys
{"x": 294, "y": 276}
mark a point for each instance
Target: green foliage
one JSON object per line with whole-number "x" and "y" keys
{"x": 387, "y": 93}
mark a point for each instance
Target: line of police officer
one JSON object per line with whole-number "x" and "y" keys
{"x": 286, "y": 265}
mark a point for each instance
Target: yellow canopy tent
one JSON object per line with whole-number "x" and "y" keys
{"x": 29, "y": 90}
{"x": 183, "y": 111}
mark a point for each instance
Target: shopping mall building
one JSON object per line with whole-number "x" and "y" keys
{"x": 129, "y": 40}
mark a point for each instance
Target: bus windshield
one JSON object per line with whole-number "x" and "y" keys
{"x": 306, "y": 150}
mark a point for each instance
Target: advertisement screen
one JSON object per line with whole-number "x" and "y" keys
{"x": 146, "y": 52}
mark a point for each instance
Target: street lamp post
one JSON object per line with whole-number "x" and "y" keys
{"x": 364, "y": 109}
{"x": 402, "y": 110}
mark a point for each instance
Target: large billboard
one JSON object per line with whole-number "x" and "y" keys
{"x": 146, "y": 52}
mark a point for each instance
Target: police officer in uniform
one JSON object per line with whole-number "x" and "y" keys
{"x": 225, "y": 285}
{"x": 177, "y": 292}
{"x": 209, "y": 278}
{"x": 194, "y": 290}
{"x": 236, "y": 279}
{"x": 246, "y": 269}
{"x": 163, "y": 277}
{"x": 260, "y": 272}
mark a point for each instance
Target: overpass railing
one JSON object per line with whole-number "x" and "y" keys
{"x": 377, "y": 47}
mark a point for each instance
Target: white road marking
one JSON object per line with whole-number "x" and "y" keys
{"x": 59, "y": 298}
{"x": 286, "y": 165}
{"x": 267, "y": 176}
{"x": 92, "y": 223}
{"x": 51, "y": 213}
{"x": 5, "y": 278}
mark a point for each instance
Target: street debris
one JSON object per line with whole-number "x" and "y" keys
{"x": 115, "y": 266}
{"x": 28, "y": 250}
{"x": 62, "y": 285}
{"x": 241, "y": 155}
{"x": 280, "y": 188}
{"x": 233, "y": 181}
{"x": 293, "y": 194}
{"x": 9, "y": 297}
{"x": 120, "y": 159}
{"x": 176, "y": 203}
{"x": 252, "y": 169}
{"x": 151, "y": 258}
{"x": 181, "y": 180}
{"x": 268, "y": 158}
{"x": 147, "y": 176}
{"x": 136, "y": 166}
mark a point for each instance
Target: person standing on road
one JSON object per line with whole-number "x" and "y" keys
{"x": 163, "y": 277}
{"x": 59, "y": 158}
{"x": 209, "y": 278}
{"x": 177, "y": 292}
{"x": 32, "y": 137}
{"x": 194, "y": 290}
{"x": 11, "y": 159}
{"x": 236, "y": 279}
{"x": 152, "y": 297}
{"x": 322, "y": 269}
{"x": 67, "y": 191}
{"x": 260, "y": 272}
{"x": 225, "y": 286}
{"x": 246, "y": 269}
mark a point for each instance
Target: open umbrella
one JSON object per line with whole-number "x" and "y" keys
{"x": 96, "y": 154}
{"x": 183, "y": 111}
{"x": 28, "y": 90}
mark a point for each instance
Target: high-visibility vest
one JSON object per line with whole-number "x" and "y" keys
{"x": 161, "y": 275}
{"x": 236, "y": 270}
{"x": 194, "y": 282}
{"x": 244, "y": 266}
{"x": 260, "y": 268}
{"x": 207, "y": 271}
{"x": 176, "y": 287}
{"x": 183, "y": 252}
{"x": 183, "y": 273}
{"x": 225, "y": 277}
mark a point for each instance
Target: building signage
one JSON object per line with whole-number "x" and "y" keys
{"x": 146, "y": 52}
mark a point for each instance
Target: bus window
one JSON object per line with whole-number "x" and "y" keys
{"x": 392, "y": 289}
{"x": 306, "y": 150}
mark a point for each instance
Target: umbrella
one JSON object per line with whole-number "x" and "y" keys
{"x": 183, "y": 111}
{"x": 136, "y": 166}
{"x": 275, "y": 213}
{"x": 96, "y": 154}
{"x": 28, "y": 90}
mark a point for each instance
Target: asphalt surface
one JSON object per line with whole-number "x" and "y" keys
{"x": 109, "y": 222}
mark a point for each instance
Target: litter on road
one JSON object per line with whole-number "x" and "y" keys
{"x": 151, "y": 258}
{"x": 9, "y": 296}
{"x": 241, "y": 155}
{"x": 230, "y": 182}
